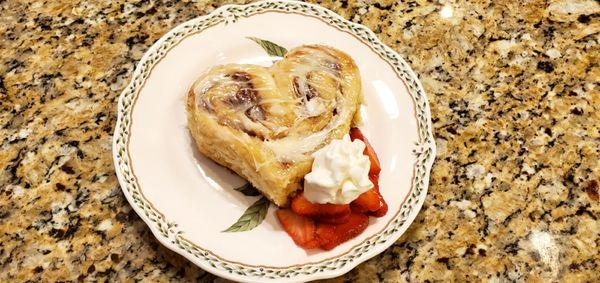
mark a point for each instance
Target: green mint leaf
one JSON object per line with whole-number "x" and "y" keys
{"x": 270, "y": 47}
{"x": 254, "y": 215}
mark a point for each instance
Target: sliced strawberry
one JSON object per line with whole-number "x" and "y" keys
{"x": 334, "y": 220}
{"x": 304, "y": 207}
{"x": 331, "y": 235}
{"x": 368, "y": 201}
{"x": 375, "y": 180}
{"x": 301, "y": 229}
{"x": 371, "y": 201}
{"x": 355, "y": 133}
{"x": 312, "y": 244}
{"x": 384, "y": 207}
{"x": 381, "y": 211}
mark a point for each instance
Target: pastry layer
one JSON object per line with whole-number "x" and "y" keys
{"x": 264, "y": 123}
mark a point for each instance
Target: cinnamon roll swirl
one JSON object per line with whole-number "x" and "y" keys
{"x": 264, "y": 123}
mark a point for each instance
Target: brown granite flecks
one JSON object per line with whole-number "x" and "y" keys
{"x": 513, "y": 88}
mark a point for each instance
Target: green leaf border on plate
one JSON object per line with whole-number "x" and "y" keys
{"x": 169, "y": 234}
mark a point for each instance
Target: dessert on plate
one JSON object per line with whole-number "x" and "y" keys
{"x": 289, "y": 130}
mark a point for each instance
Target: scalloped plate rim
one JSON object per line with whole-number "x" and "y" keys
{"x": 321, "y": 274}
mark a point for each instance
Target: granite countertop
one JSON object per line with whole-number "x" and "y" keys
{"x": 513, "y": 90}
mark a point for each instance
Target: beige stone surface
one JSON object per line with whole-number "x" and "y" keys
{"x": 513, "y": 89}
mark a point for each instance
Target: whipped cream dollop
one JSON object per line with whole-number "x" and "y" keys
{"x": 340, "y": 173}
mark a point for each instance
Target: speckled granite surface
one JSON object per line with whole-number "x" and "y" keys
{"x": 516, "y": 109}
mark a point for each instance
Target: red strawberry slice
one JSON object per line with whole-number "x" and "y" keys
{"x": 304, "y": 207}
{"x": 381, "y": 211}
{"x": 331, "y": 235}
{"x": 371, "y": 202}
{"x": 312, "y": 244}
{"x": 374, "y": 179}
{"x": 368, "y": 201}
{"x": 355, "y": 133}
{"x": 334, "y": 220}
{"x": 384, "y": 207}
{"x": 301, "y": 229}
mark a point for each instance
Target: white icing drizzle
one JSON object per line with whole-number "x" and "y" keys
{"x": 296, "y": 148}
{"x": 293, "y": 148}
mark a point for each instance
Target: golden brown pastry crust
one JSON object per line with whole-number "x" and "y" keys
{"x": 264, "y": 123}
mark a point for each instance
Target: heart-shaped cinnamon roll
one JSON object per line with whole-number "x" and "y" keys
{"x": 264, "y": 123}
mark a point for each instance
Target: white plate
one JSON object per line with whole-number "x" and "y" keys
{"x": 187, "y": 200}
